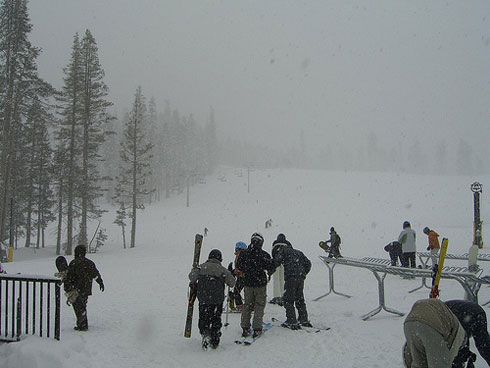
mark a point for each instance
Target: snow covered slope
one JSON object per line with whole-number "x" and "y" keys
{"x": 139, "y": 320}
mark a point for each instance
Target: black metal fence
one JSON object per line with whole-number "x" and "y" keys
{"x": 30, "y": 305}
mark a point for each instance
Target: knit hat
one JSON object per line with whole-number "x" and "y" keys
{"x": 215, "y": 254}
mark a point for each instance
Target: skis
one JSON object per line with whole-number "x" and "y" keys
{"x": 192, "y": 287}
{"x": 313, "y": 329}
{"x": 249, "y": 340}
{"x": 437, "y": 269}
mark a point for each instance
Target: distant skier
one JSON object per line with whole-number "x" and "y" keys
{"x": 81, "y": 272}
{"x": 474, "y": 321}
{"x": 296, "y": 267}
{"x": 236, "y": 300}
{"x": 334, "y": 249}
{"x": 254, "y": 262}
{"x": 210, "y": 278}
{"x": 434, "y": 245}
{"x": 395, "y": 250}
{"x": 278, "y": 276}
{"x": 407, "y": 238}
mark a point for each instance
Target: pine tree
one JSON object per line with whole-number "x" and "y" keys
{"x": 20, "y": 85}
{"x": 94, "y": 116}
{"x": 69, "y": 135}
{"x": 136, "y": 155}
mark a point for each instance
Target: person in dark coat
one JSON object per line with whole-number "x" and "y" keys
{"x": 210, "y": 278}
{"x": 81, "y": 272}
{"x": 278, "y": 277}
{"x": 474, "y": 321}
{"x": 296, "y": 267}
{"x": 334, "y": 249}
{"x": 395, "y": 250}
{"x": 236, "y": 300}
{"x": 256, "y": 266}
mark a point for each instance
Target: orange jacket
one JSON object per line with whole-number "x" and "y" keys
{"x": 433, "y": 240}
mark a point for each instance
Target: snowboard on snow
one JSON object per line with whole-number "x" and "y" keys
{"x": 192, "y": 287}
{"x": 437, "y": 270}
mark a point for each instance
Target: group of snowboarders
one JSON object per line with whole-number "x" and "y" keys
{"x": 253, "y": 268}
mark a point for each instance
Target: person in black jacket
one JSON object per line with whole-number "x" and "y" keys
{"x": 81, "y": 272}
{"x": 296, "y": 267}
{"x": 210, "y": 278}
{"x": 253, "y": 262}
{"x": 395, "y": 250}
{"x": 474, "y": 321}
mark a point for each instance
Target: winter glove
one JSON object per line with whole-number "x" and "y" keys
{"x": 101, "y": 285}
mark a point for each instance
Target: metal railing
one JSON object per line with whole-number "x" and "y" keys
{"x": 30, "y": 305}
{"x": 470, "y": 282}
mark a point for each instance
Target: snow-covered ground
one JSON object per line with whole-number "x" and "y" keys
{"x": 139, "y": 320}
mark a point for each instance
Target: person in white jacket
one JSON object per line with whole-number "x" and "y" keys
{"x": 407, "y": 239}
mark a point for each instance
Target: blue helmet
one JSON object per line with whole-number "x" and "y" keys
{"x": 240, "y": 245}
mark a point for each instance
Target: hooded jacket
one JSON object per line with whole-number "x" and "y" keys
{"x": 211, "y": 278}
{"x": 296, "y": 264}
{"x": 254, "y": 262}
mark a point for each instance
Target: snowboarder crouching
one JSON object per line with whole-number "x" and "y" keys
{"x": 434, "y": 335}
{"x": 210, "y": 279}
{"x": 296, "y": 267}
{"x": 395, "y": 250}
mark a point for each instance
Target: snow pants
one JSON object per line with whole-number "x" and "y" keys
{"x": 210, "y": 321}
{"x": 80, "y": 309}
{"x": 434, "y": 256}
{"x": 426, "y": 348}
{"x": 409, "y": 260}
{"x": 255, "y": 300}
{"x": 293, "y": 295}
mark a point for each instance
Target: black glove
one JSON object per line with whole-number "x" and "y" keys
{"x": 428, "y": 248}
{"x": 101, "y": 285}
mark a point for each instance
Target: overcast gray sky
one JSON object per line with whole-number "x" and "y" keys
{"x": 271, "y": 67}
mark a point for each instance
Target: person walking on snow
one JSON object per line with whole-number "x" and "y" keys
{"x": 334, "y": 249}
{"x": 81, "y": 272}
{"x": 407, "y": 239}
{"x": 210, "y": 278}
{"x": 434, "y": 245}
{"x": 278, "y": 276}
{"x": 296, "y": 267}
{"x": 254, "y": 262}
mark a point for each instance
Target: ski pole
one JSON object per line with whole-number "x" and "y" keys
{"x": 227, "y": 307}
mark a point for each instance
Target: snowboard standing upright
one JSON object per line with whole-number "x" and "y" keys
{"x": 437, "y": 270}
{"x": 192, "y": 287}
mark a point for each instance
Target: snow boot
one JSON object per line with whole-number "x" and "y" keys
{"x": 246, "y": 331}
{"x": 206, "y": 341}
{"x": 306, "y": 324}
{"x": 256, "y": 333}
{"x": 291, "y": 326}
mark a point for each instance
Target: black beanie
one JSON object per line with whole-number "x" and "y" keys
{"x": 215, "y": 254}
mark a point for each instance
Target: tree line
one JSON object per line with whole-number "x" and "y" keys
{"x": 63, "y": 154}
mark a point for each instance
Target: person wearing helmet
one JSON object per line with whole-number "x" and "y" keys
{"x": 255, "y": 263}
{"x": 236, "y": 300}
{"x": 434, "y": 245}
{"x": 210, "y": 278}
{"x": 407, "y": 239}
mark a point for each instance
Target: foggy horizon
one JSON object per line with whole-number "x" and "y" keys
{"x": 338, "y": 71}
